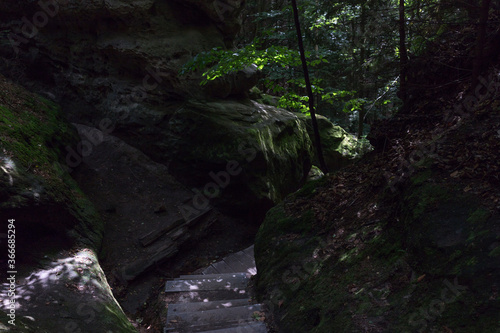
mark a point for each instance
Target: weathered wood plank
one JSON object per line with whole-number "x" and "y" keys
{"x": 240, "y": 262}
{"x": 204, "y": 306}
{"x": 200, "y": 321}
{"x": 228, "y": 282}
{"x": 220, "y": 267}
{"x": 211, "y": 276}
{"x": 216, "y": 301}
{"x": 249, "y": 251}
{"x": 210, "y": 270}
{"x": 249, "y": 328}
{"x": 210, "y": 296}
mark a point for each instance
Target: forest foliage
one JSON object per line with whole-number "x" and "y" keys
{"x": 358, "y": 52}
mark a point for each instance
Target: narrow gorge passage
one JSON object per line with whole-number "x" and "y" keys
{"x": 138, "y": 198}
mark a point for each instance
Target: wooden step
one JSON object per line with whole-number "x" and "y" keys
{"x": 217, "y": 301}
{"x": 223, "y": 282}
{"x": 211, "y": 276}
{"x": 200, "y": 321}
{"x": 250, "y": 328}
{"x": 249, "y": 251}
{"x": 219, "y": 267}
{"x": 204, "y": 306}
{"x": 231, "y": 265}
{"x": 242, "y": 261}
{"x": 242, "y": 256}
{"x": 211, "y": 296}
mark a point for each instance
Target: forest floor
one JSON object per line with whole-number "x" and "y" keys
{"x": 465, "y": 147}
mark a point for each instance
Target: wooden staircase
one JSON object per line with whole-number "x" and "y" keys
{"x": 217, "y": 300}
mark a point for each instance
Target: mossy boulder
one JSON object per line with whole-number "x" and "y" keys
{"x": 429, "y": 261}
{"x": 66, "y": 293}
{"x": 238, "y": 83}
{"x": 35, "y": 183}
{"x": 244, "y": 156}
{"x": 450, "y": 236}
{"x": 59, "y": 285}
{"x": 293, "y": 282}
{"x": 339, "y": 147}
{"x": 257, "y": 95}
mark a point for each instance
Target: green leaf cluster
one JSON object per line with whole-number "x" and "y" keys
{"x": 219, "y": 62}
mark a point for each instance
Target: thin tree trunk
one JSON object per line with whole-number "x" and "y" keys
{"x": 361, "y": 115}
{"x": 403, "y": 56}
{"x": 361, "y": 66}
{"x": 481, "y": 35}
{"x": 317, "y": 139}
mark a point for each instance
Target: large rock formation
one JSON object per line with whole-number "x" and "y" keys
{"x": 248, "y": 155}
{"x": 57, "y": 282}
{"x": 113, "y": 65}
{"x": 117, "y": 63}
{"x": 112, "y": 57}
{"x": 428, "y": 263}
{"x": 35, "y": 184}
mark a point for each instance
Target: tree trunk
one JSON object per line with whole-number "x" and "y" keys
{"x": 317, "y": 139}
{"x": 362, "y": 76}
{"x": 403, "y": 56}
{"x": 361, "y": 115}
{"x": 481, "y": 35}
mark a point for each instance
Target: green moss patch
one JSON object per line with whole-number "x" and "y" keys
{"x": 33, "y": 137}
{"x": 479, "y": 216}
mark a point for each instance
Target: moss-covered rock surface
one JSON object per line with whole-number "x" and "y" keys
{"x": 399, "y": 242}
{"x": 69, "y": 294}
{"x": 265, "y": 151}
{"x": 58, "y": 284}
{"x": 339, "y": 147}
{"x": 36, "y": 185}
